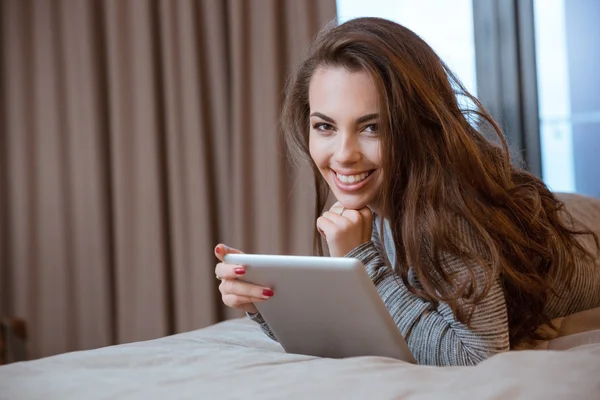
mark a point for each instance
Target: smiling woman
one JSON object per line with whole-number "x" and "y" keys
{"x": 344, "y": 141}
{"x": 469, "y": 253}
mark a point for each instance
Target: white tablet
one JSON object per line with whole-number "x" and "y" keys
{"x": 323, "y": 306}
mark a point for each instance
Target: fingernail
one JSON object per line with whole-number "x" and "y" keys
{"x": 267, "y": 293}
{"x": 239, "y": 271}
{"x": 218, "y": 250}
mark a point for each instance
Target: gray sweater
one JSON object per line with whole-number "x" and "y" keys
{"x": 433, "y": 334}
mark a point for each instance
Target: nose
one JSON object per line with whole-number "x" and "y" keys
{"x": 347, "y": 149}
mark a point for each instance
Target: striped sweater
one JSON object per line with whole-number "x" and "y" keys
{"x": 433, "y": 334}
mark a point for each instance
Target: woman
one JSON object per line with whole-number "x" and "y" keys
{"x": 469, "y": 253}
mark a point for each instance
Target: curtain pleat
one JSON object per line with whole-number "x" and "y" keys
{"x": 136, "y": 154}
{"x": 86, "y": 156}
{"x": 136, "y": 135}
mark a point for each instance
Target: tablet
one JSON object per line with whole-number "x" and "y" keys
{"x": 323, "y": 306}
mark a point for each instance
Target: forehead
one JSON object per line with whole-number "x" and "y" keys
{"x": 337, "y": 91}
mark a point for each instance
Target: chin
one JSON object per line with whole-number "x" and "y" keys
{"x": 352, "y": 204}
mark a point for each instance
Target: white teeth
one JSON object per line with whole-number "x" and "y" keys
{"x": 352, "y": 178}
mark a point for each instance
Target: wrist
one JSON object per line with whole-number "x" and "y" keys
{"x": 359, "y": 250}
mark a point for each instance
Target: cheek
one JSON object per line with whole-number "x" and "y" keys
{"x": 316, "y": 151}
{"x": 311, "y": 150}
{"x": 373, "y": 153}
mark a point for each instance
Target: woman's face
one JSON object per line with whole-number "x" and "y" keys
{"x": 344, "y": 140}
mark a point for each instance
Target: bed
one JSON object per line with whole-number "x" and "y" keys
{"x": 234, "y": 359}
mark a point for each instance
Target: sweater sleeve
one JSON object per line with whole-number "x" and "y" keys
{"x": 433, "y": 334}
{"x": 263, "y": 324}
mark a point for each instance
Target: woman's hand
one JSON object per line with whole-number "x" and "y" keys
{"x": 235, "y": 293}
{"x": 345, "y": 232}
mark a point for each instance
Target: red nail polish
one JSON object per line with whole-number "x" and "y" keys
{"x": 239, "y": 271}
{"x": 268, "y": 293}
{"x": 218, "y": 250}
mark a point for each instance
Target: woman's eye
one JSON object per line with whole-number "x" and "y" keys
{"x": 372, "y": 128}
{"x": 321, "y": 126}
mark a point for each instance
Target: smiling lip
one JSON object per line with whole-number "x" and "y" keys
{"x": 351, "y": 187}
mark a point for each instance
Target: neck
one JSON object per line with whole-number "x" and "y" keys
{"x": 376, "y": 210}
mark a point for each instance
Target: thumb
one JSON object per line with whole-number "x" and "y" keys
{"x": 221, "y": 250}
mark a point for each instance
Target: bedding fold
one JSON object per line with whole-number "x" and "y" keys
{"x": 234, "y": 359}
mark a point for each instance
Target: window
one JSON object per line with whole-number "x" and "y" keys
{"x": 452, "y": 40}
{"x": 568, "y": 61}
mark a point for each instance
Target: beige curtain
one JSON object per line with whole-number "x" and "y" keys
{"x": 135, "y": 135}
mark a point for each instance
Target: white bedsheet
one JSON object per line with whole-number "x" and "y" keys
{"x": 234, "y": 360}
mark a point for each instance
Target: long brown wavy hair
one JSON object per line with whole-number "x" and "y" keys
{"x": 444, "y": 159}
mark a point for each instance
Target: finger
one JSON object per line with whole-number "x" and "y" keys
{"x": 241, "y": 302}
{"x": 336, "y": 206}
{"x": 320, "y": 232}
{"x": 338, "y": 219}
{"x": 234, "y": 300}
{"x": 352, "y": 215}
{"x": 328, "y": 227}
{"x": 240, "y": 288}
{"x": 221, "y": 250}
{"x": 349, "y": 219}
{"x": 229, "y": 271}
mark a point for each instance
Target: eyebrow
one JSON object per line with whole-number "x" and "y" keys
{"x": 359, "y": 120}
